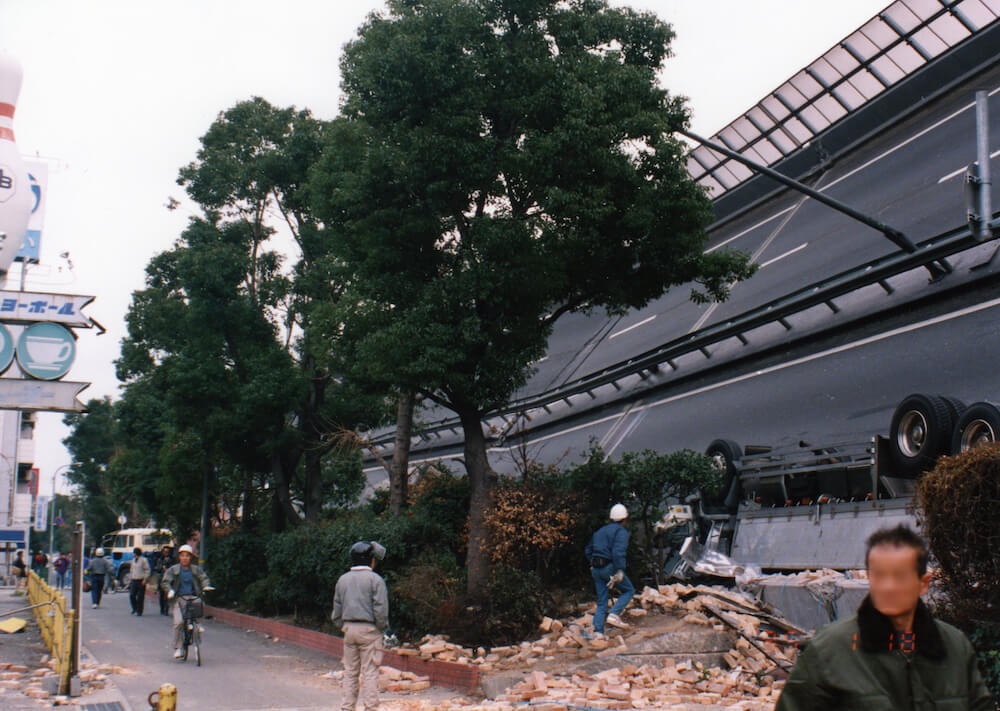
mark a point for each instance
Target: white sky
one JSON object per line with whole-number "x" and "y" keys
{"x": 117, "y": 93}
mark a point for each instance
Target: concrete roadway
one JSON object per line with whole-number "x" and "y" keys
{"x": 910, "y": 178}
{"x": 241, "y": 671}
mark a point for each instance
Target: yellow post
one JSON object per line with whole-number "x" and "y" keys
{"x": 166, "y": 698}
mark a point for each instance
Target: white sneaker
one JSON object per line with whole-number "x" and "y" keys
{"x": 597, "y": 635}
{"x": 94, "y": 606}
{"x": 178, "y": 653}
{"x": 616, "y": 621}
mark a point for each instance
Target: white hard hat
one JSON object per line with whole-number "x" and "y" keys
{"x": 619, "y": 512}
{"x": 186, "y": 549}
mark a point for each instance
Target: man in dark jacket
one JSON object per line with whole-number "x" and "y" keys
{"x": 893, "y": 654}
{"x": 606, "y": 555}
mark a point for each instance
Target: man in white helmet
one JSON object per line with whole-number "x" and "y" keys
{"x": 183, "y": 578}
{"x": 606, "y": 554}
{"x": 361, "y": 608}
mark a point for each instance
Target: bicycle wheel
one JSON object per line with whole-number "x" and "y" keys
{"x": 196, "y": 642}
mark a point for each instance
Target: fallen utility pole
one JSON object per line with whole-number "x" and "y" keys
{"x": 937, "y": 269}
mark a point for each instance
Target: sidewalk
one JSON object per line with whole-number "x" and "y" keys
{"x": 22, "y": 665}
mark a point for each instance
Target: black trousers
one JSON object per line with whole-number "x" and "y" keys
{"x": 137, "y": 595}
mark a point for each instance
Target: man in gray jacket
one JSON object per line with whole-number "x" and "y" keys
{"x": 137, "y": 587}
{"x": 184, "y": 578}
{"x": 361, "y": 609}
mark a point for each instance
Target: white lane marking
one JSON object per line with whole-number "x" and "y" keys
{"x": 908, "y": 141}
{"x": 832, "y": 351}
{"x": 786, "y": 254}
{"x": 632, "y": 327}
{"x": 961, "y": 171}
{"x": 749, "y": 229}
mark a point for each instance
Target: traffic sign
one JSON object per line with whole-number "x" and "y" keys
{"x": 48, "y": 395}
{"x": 27, "y": 306}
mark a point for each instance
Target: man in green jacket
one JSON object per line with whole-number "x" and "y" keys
{"x": 893, "y": 655}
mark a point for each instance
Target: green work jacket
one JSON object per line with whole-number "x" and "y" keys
{"x": 851, "y": 664}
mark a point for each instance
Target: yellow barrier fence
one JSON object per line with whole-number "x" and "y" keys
{"x": 55, "y": 623}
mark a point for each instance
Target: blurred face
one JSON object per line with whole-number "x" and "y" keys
{"x": 895, "y": 584}
{"x": 185, "y": 559}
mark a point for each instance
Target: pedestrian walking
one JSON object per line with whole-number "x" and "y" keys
{"x": 137, "y": 587}
{"x": 606, "y": 554}
{"x": 99, "y": 568}
{"x": 60, "y": 565}
{"x": 164, "y": 560}
{"x": 40, "y": 563}
{"x": 892, "y": 654}
{"x": 183, "y": 578}
{"x": 361, "y": 609}
{"x": 20, "y": 572}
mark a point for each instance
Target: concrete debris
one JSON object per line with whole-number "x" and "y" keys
{"x": 641, "y": 667}
{"x": 39, "y": 683}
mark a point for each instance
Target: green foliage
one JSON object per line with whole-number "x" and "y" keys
{"x": 986, "y": 640}
{"x": 236, "y": 562}
{"x": 497, "y": 165}
{"x": 517, "y": 603}
{"x": 424, "y": 594}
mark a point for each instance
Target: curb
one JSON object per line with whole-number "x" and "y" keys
{"x": 460, "y": 677}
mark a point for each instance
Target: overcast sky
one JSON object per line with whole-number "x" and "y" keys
{"x": 117, "y": 93}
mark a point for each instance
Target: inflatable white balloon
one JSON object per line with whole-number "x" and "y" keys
{"x": 16, "y": 198}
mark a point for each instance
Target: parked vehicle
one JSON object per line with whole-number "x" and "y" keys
{"x": 119, "y": 546}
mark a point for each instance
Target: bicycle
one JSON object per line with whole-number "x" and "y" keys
{"x": 192, "y": 609}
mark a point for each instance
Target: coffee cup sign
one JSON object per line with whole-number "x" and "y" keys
{"x": 46, "y": 351}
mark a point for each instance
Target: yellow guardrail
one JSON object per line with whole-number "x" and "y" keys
{"x": 55, "y": 623}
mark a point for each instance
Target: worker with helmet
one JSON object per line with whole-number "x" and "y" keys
{"x": 361, "y": 609}
{"x": 98, "y": 568}
{"x": 183, "y": 578}
{"x": 606, "y": 555}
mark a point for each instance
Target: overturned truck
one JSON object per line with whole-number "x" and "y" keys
{"x": 809, "y": 506}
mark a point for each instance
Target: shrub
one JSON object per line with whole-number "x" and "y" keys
{"x": 528, "y": 523}
{"x": 958, "y": 502}
{"x": 421, "y": 594}
{"x": 235, "y": 560}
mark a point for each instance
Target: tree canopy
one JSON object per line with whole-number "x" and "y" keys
{"x": 500, "y": 163}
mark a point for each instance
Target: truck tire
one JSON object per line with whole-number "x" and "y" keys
{"x": 725, "y": 452}
{"x": 124, "y": 576}
{"x": 955, "y": 407}
{"x": 979, "y": 424}
{"x": 920, "y": 433}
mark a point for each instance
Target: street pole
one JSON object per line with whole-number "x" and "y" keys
{"x": 983, "y": 158}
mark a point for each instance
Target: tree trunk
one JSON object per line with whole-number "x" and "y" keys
{"x": 481, "y": 479}
{"x": 281, "y": 472}
{"x": 399, "y": 473}
{"x": 312, "y": 437}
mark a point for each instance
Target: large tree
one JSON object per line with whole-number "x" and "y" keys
{"x": 221, "y": 334}
{"x": 500, "y": 163}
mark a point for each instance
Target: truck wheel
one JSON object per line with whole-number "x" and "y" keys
{"x": 124, "y": 576}
{"x": 723, "y": 453}
{"x": 956, "y": 408}
{"x": 920, "y": 433}
{"x": 979, "y": 424}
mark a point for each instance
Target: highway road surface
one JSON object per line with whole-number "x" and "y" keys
{"x": 910, "y": 177}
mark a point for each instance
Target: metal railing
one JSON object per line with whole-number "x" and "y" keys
{"x": 54, "y": 623}
{"x": 824, "y": 292}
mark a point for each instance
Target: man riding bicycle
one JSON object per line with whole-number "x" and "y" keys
{"x": 181, "y": 579}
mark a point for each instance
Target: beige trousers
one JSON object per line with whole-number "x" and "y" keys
{"x": 362, "y": 656}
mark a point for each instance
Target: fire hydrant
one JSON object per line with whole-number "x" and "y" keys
{"x": 165, "y": 699}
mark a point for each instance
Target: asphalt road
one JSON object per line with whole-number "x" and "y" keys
{"x": 241, "y": 671}
{"x": 910, "y": 177}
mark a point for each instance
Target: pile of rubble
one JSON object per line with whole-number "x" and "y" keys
{"x": 41, "y": 683}
{"x": 560, "y": 671}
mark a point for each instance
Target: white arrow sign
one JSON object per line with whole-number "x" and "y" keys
{"x": 51, "y": 395}
{"x": 27, "y": 306}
